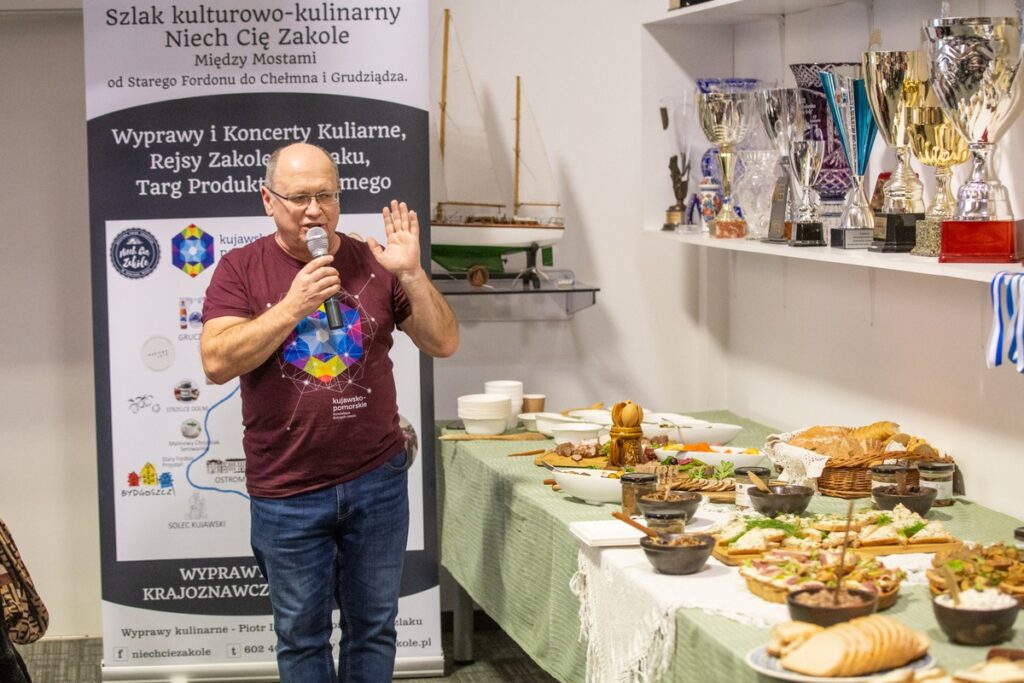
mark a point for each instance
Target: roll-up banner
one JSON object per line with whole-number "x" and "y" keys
{"x": 185, "y": 102}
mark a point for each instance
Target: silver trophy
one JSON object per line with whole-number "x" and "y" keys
{"x": 975, "y": 63}
{"x": 782, "y": 114}
{"x": 848, "y": 102}
{"x": 725, "y": 118}
{"x": 806, "y": 155}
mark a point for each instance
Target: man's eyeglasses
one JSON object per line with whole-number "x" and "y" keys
{"x": 301, "y": 201}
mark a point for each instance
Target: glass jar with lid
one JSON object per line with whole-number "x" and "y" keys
{"x": 938, "y": 476}
{"x": 888, "y": 475}
{"x": 744, "y": 482}
{"x": 635, "y": 485}
{"x": 667, "y": 522}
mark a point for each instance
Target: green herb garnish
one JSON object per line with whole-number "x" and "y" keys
{"x": 883, "y": 519}
{"x": 956, "y": 565}
{"x": 909, "y": 531}
{"x": 790, "y": 529}
{"x": 723, "y": 470}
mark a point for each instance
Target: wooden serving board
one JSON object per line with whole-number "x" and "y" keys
{"x": 875, "y": 550}
{"x": 722, "y": 554}
{"x": 719, "y": 496}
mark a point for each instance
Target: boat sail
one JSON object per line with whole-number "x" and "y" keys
{"x": 470, "y": 226}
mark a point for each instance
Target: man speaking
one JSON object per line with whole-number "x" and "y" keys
{"x": 325, "y": 457}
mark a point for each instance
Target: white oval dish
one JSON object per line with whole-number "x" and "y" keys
{"x": 719, "y": 454}
{"x": 590, "y": 486}
{"x": 699, "y": 432}
{"x": 575, "y": 432}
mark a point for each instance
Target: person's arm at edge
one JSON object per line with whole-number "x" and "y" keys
{"x": 431, "y": 324}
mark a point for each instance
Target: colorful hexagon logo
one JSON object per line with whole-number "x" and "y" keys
{"x": 322, "y": 352}
{"x": 192, "y": 250}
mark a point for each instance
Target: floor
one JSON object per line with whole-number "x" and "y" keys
{"x": 498, "y": 658}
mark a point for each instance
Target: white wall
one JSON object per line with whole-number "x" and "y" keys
{"x": 788, "y": 343}
{"x": 48, "y": 475}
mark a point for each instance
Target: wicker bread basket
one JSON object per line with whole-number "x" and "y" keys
{"x": 853, "y": 481}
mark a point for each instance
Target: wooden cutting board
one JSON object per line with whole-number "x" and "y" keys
{"x": 722, "y": 554}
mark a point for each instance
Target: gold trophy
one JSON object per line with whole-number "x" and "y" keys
{"x": 725, "y": 118}
{"x": 896, "y": 81}
{"x": 936, "y": 142}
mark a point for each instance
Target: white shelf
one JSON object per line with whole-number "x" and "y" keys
{"x": 922, "y": 265}
{"x": 735, "y": 11}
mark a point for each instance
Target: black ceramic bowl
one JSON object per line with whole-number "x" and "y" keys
{"x": 679, "y": 501}
{"x": 675, "y": 559}
{"x": 976, "y": 626}
{"x": 917, "y": 500}
{"x": 783, "y": 499}
{"x": 828, "y": 615}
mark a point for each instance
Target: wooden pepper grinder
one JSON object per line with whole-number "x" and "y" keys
{"x": 626, "y": 449}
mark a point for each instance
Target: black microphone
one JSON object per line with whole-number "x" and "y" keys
{"x": 316, "y": 242}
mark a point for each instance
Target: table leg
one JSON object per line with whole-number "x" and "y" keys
{"x": 462, "y": 625}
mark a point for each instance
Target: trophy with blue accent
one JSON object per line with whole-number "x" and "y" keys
{"x": 847, "y": 99}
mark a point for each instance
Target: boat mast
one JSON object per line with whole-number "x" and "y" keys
{"x": 444, "y": 79}
{"x": 515, "y": 182}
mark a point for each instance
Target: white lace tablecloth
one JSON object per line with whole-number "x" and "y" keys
{"x": 628, "y": 610}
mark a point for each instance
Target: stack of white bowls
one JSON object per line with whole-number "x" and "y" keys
{"x": 484, "y": 413}
{"x": 511, "y": 388}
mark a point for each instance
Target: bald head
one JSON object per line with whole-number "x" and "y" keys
{"x": 300, "y": 157}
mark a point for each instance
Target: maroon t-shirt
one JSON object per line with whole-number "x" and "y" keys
{"x": 322, "y": 409}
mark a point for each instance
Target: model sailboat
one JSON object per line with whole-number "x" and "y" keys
{"x": 470, "y": 226}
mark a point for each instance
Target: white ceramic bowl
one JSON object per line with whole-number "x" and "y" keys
{"x": 720, "y": 454}
{"x": 505, "y": 387}
{"x": 529, "y": 421}
{"x": 484, "y": 426}
{"x": 698, "y": 432}
{"x": 590, "y": 415}
{"x": 575, "y": 432}
{"x": 591, "y": 486}
{"x": 545, "y": 421}
{"x": 484, "y": 406}
{"x": 672, "y": 418}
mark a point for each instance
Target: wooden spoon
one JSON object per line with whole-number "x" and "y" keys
{"x": 954, "y": 587}
{"x": 758, "y": 482}
{"x": 841, "y": 569}
{"x": 636, "y": 525}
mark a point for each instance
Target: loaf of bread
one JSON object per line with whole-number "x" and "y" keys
{"x": 857, "y": 647}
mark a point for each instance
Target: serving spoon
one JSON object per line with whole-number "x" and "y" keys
{"x": 759, "y": 483}
{"x": 636, "y": 525}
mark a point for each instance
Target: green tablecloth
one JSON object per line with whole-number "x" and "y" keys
{"x": 505, "y": 538}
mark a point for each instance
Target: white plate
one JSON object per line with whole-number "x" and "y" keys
{"x": 591, "y": 486}
{"x": 545, "y": 421}
{"x": 698, "y": 432}
{"x": 592, "y": 415}
{"x": 600, "y": 533}
{"x": 760, "y": 661}
{"x": 721, "y": 453}
{"x": 674, "y": 418}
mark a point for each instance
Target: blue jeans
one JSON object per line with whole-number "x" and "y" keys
{"x": 345, "y": 542}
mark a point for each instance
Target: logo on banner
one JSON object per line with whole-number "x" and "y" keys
{"x": 149, "y": 482}
{"x": 143, "y": 403}
{"x": 316, "y": 349}
{"x": 158, "y": 353}
{"x": 192, "y": 250}
{"x": 134, "y": 253}
{"x": 190, "y": 312}
{"x": 186, "y": 391}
